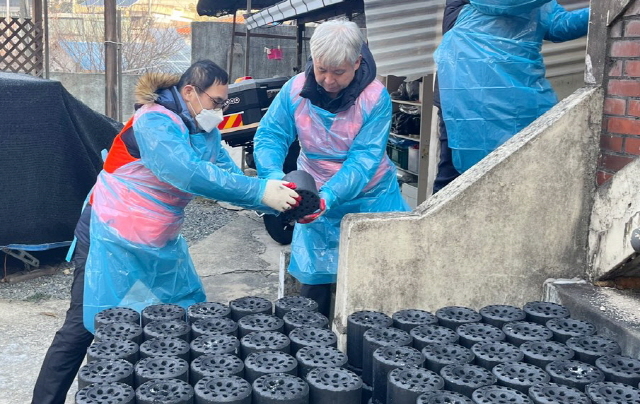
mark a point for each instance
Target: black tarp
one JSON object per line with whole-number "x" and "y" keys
{"x": 217, "y": 8}
{"x": 50, "y": 155}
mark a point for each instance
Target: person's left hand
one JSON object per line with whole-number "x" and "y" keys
{"x": 310, "y": 218}
{"x": 280, "y": 195}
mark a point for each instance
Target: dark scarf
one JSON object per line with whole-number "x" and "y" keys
{"x": 365, "y": 74}
{"x": 170, "y": 99}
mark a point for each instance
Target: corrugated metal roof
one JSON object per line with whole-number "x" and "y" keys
{"x": 567, "y": 57}
{"x": 403, "y": 34}
{"x": 286, "y": 10}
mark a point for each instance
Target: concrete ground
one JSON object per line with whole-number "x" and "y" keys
{"x": 237, "y": 260}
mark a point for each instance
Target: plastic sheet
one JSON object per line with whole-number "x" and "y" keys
{"x": 346, "y": 155}
{"x": 491, "y": 72}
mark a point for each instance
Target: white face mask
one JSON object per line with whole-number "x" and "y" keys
{"x": 208, "y": 119}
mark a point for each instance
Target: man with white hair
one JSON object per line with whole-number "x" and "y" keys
{"x": 341, "y": 116}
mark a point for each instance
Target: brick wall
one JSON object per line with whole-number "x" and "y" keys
{"x": 620, "y": 141}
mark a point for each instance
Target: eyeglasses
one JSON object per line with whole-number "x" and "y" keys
{"x": 217, "y": 105}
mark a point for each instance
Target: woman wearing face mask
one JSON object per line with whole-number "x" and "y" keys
{"x": 167, "y": 153}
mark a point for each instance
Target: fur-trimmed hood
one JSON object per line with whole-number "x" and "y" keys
{"x": 160, "y": 88}
{"x": 150, "y": 84}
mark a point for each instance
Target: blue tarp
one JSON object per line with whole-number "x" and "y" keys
{"x": 37, "y": 247}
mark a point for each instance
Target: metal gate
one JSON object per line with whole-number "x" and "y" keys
{"x": 22, "y": 39}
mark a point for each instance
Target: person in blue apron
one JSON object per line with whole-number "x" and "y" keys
{"x": 491, "y": 73}
{"x": 129, "y": 249}
{"x": 341, "y": 116}
{"x": 446, "y": 171}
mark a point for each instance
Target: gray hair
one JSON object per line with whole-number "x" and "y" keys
{"x": 335, "y": 42}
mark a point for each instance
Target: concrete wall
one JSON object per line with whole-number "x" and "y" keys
{"x": 493, "y": 236}
{"x": 211, "y": 40}
{"x": 615, "y": 313}
{"x": 616, "y": 213}
{"x": 89, "y": 88}
{"x": 565, "y": 85}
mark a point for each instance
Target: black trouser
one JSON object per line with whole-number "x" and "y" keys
{"x": 69, "y": 346}
{"x": 321, "y": 294}
{"x": 446, "y": 171}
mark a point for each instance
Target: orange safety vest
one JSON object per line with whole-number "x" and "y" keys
{"x": 118, "y": 154}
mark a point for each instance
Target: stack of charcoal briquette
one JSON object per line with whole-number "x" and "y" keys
{"x": 247, "y": 352}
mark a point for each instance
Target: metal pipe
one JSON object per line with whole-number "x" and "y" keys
{"x": 45, "y": 23}
{"x": 37, "y": 20}
{"x": 270, "y": 36}
{"x": 299, "y": 39}
{"x": 247, "y": 45}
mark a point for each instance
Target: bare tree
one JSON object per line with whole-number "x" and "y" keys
{"x": 146, "y": 46}
{"x": 76, "y": 40}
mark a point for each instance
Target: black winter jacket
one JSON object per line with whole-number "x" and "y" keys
{"x": 451, "y": 10}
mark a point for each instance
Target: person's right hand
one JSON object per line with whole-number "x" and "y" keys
{"x": 280, "y": 195}
{"x": 312, "y": 217}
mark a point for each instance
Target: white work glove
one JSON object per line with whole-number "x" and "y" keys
{"x": 280, "y": 195}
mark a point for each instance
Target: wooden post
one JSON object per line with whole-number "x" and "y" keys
{"x": 426, "y": 166}
{"x": 38, "y": 43}
{"x": 119, "y": 70}
{"x": 247, "y": 48}
{"x": 110, "y": 59}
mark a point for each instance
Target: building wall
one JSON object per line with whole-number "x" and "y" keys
{"x": 620, "y": 140}
{"x": 615, "y": 65}
{"x": 493, "y": 236}
{"x": 615, "y": 215}
{"x": 566, "y": 84}
{"x": 211, "y": 40}
{"x": 89, "y": 88}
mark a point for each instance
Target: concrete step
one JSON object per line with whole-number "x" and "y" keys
{"x": 614, "y": 312}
